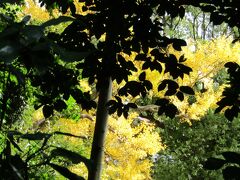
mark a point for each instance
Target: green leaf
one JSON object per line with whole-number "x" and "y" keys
{"x": 65, "y": 172}
{"x": 57, "y": 21}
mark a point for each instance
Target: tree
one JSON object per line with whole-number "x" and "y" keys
{"x": 128, "y": 26}
{"x": 129, "y": 145}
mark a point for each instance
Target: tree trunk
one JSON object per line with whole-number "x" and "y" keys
{"x": 204, "y": 29}
{"x": 193, "y": 28}
{"x": 97, "y": 152}
{"x": 212, "y": 35}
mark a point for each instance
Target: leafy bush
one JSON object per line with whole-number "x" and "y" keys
{"x": 188, "y": 147}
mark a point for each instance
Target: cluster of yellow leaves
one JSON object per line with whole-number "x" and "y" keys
{"x": 209, "y": 57}
{"x": 41, "y": 14}
{"x": 206, "y": 61}
{"x": 128, "y": 147}
{"x": 36, "y": 12}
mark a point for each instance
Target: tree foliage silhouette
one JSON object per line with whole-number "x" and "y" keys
{"x": 128, "y": 26}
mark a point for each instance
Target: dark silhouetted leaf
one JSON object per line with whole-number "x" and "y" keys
{"x": 141, "y": 57}
{"x": 236, "y": 40}
{"x": 182, "y": 59}
{"x": 132, "y": 105}
{"x": 181, "y": 12}
{"x": 180, "y": 96}
{"x": 54, "y": 22}
{"x": 162, "y": 86}
{"x": 9, "y": 51}
{"x": 171, "y": 110}
{"x": 214, "y": 163}
{"x": 232, "y": 157}
{"x": 132, "y": 87}
{"x": 170, "y": 92}
{"x": 218, "y": 109}
{"x": 14, "y": 144}
{"x": 162, "y": 102}
{"x": 65, "y": 172}
{"x": 125, "y": 114}
{"x": 178, "y": 43}
{"x": 112, "y": 109}
{"x": 74, "y": 157}
{"x": 229, "y": 114}
{"x": 111, "y": 103}
{"x": 146, "y": 65}
{"x": 208, "y": 8}
{"x": 70, "y": 56}
{"x": 68, "y": 134}
{"x": 119, "y": 111}
{"x": 187, "y": 90}
{"x": 142, "y": 76}
{"x": 231, "y": 173}
{"x": 47, "y": 111}
{"x": 148, "y": 85}
{"x": 217, "y": 19}
{"x": 36, "y": 136}
{"x": 60, "y": 105}
{"x": 118, "y": 99}
{"x": 231, "y": 65}
{"x": 32, "y": 33}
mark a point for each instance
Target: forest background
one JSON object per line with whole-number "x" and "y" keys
{"x": 141, "y": 144}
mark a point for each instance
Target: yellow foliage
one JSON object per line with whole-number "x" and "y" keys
{"x": 208, "y": 59}
{"x": 35, "y": 11}
{"x": 127, "y": 148}
{"x": 85, "y": 86}
{"x": 82, "y": 128}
